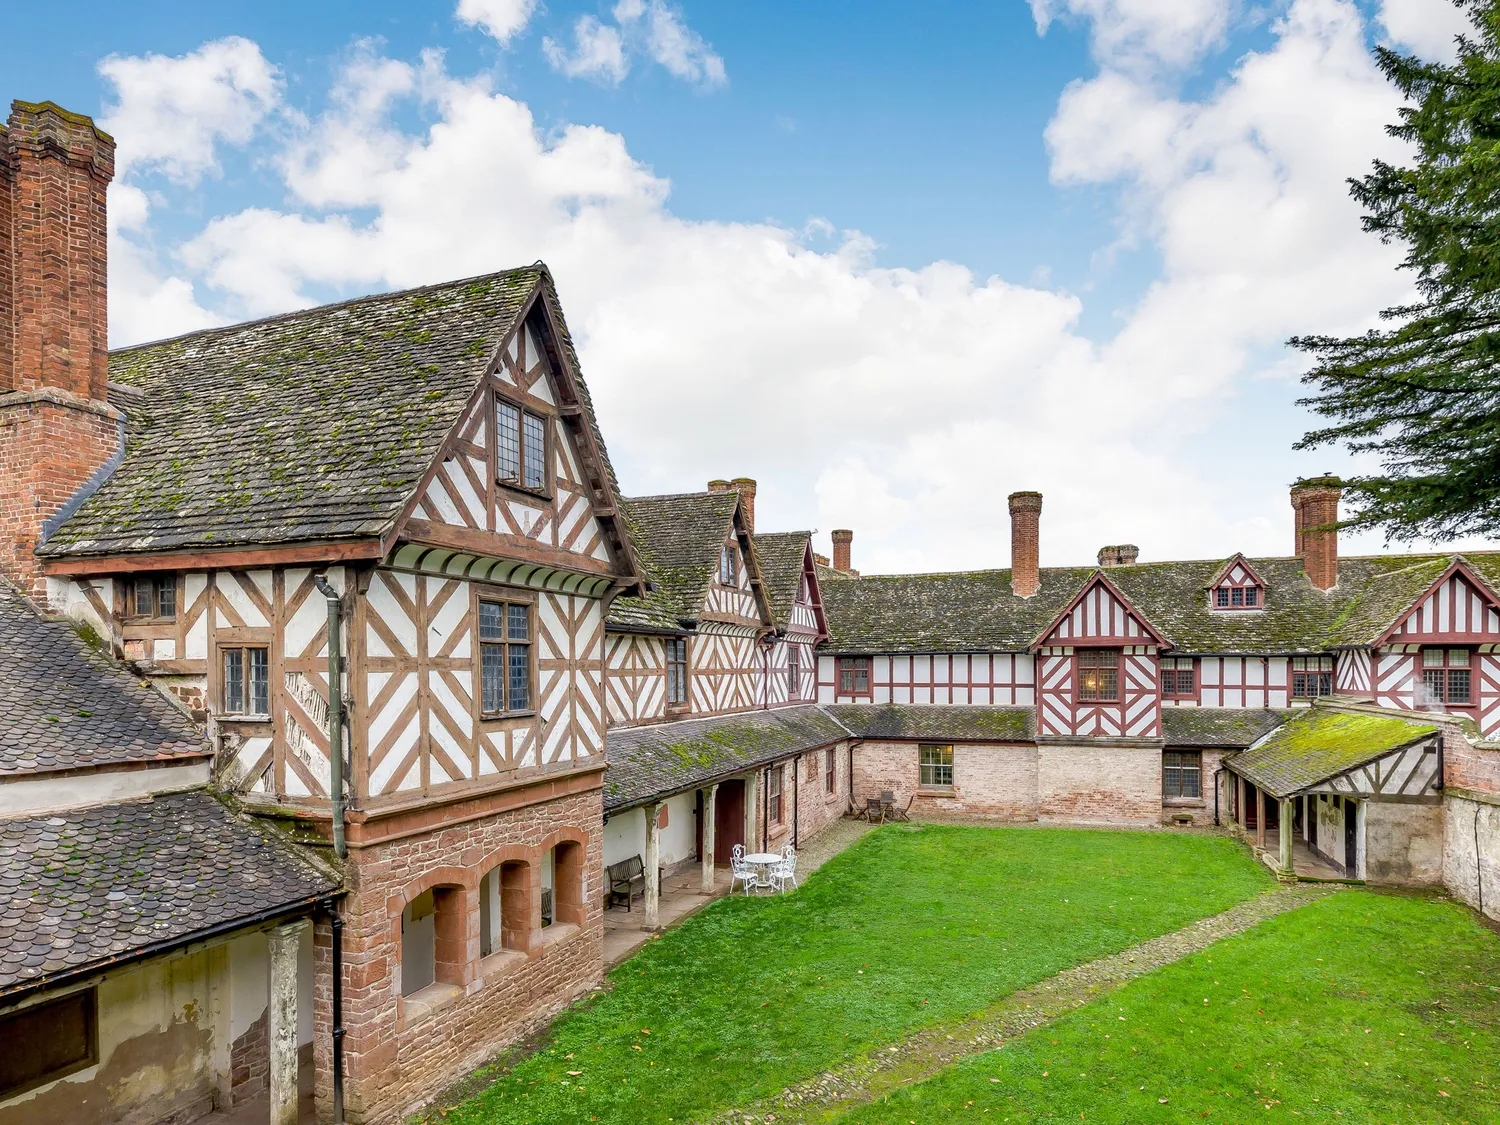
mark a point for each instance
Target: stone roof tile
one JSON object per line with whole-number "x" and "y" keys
{"x": 1316, "y": 744}
{"x": 677, "y": 539}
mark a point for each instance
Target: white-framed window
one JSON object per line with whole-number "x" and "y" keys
{"x": 935, "y": 767}
{"x": 1447, "y": 677}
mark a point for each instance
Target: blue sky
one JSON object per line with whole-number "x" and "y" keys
{"x": 894, "y": 260}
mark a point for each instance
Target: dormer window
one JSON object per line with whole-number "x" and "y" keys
{"x": 728, "y": 567}
{"x": 1237, "y": 587}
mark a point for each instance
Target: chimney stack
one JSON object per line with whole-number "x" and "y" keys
{"x": 842, "y": 538}
{"x": 1025, "y": 530}
{"x": 1316, "y": 504}
{"x": 1122, "y": 554}
{"x": 746, "y": 488}
{"x": 56, "y": 429}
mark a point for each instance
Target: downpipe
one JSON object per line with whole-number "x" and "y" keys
{"x": 336, "y": 801}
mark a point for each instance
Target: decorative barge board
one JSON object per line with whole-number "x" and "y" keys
{"x": 1097, "y": 667}
{"x": 788, "y": 668}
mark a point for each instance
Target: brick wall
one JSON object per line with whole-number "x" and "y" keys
{"x": 250, "y": 1062}
{"x": 814, "y": 806}
{"x": 397, "y": 1055}
{"x": 988, "y": 779}
{"x": 1201, "y": 810}
{"x": 1099, "y": 783}
{"x": 1466, "y": 766}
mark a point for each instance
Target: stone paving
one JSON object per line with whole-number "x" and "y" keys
{"x": 929, "y": 1051}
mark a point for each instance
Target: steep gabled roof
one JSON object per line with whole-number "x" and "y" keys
{"x": 677, "y": 539}
{"x": 313, "y": 426}
{"x": 1317, "y": 744}
{"x": 783, "y": 557}
{"x": 1098, "y": 580}
{"x": 67, "y": 706}
{"x": 1229, "y": 565}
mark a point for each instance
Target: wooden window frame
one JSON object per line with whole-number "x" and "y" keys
{"x": 830, "y": 770}
{"x": 1323, "y": 685}
{"x": 773, "y": 794}
{"x": 671, "y": 643}
{"x": 941, "y": 751}
{"x": 729, "y": 566}
{"x": 1181, "y": 761}
{"x": 850, "y": 664}
{"x": 1097, "y": 655}
{"x": 505, "y": 598}
{"x": 89, "y": 998}
{"x": 244, "y": 647}
{"x": 523, "y": 411}
{"x": 1251, "y": 596}
{"x": 1446, "y": 668}
{"x": 1172, "y": 671}
{"x": 159, "y": 582}
{"x": 793, "y": 674}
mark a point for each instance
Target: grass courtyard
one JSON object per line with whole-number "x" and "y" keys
{"x": 904, "y": 930}
{"x": 1362, "y": 1007}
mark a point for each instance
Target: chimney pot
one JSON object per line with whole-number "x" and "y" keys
{"x": 842, "y": 538}
{"x": 1316, "y": 504}
{"x": 1121, "y": 554}
{"x": 1025, "y": 530}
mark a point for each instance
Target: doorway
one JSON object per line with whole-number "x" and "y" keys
{"x": 729, "y": 818}
{"x": 1351, "y": 838}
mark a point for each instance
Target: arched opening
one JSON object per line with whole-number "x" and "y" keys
{"x": 505, "y": 913}
{"x": 434, "y": 947}
{"x": 568, "y": 891}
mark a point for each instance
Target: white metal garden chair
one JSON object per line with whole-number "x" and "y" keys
{"x": 740, "y": 871}
{"x": 785, "y": 871}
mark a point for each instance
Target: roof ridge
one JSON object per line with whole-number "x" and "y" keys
{"x": 368, "y": 298}
{"x": 677, "y": 496}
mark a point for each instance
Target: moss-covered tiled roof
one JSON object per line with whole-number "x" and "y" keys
{"x": 781, "y": 555}
{"x": 1224, "y": 727}
{"x": 656, "y": 761}
{"x": 677, "y": 539}
{"x": 1319, "y": 743}
{"x": 976, "y": 611}
{"x": 314, "y": 425}
{"x": 907, "y": 721}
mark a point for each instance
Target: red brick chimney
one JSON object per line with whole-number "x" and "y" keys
{"x": 747, "y": 498}
{"x": 842, "y": 539}
{"x": 56, "y": 430}
{"x": 1025, "y": 548}
{"x": 1316, "y": 503}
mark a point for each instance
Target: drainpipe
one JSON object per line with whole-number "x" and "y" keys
{"x": 335, "y": 714}
{"x": 338, "y": 1017}
{"x": 765, "y": 810}
{"x": 1218, "y": 773}
{"x": 796, "y": 791}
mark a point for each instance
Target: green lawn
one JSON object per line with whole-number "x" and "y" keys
{"x": 905, "y": 929}
{"x": 1359, "y": 1008}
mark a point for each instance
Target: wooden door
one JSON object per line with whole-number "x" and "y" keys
{"x": 729, "y": 818}
{"x": 1351, "y": 841}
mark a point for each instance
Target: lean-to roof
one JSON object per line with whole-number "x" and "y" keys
{"x": 909, "y": 721}
{"x": 67, "y": 706}
{"x": 1317, "y": 744}
{"x": 311, "y": 426}
{"x": 1223, "y": 727}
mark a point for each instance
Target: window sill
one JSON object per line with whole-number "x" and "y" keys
{"x": 556, "y": 934}
{"x": 935, "y": 791}
{"x": 524, "y": 492}
{"x": 1183, "y": 802}
{"x": 425, "y": 1003}
{"x": 499, "y": 963}
{"x": 244, "y": 718}
{"x": 501, "y": 716}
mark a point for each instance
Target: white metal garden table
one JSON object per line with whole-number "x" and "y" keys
{"x": 763, "y": 862}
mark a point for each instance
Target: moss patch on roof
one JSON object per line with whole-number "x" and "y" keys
{"x": 781, "y": 555}
{"x": 1224, "y": 727}
{"x": 1317, "y": 744}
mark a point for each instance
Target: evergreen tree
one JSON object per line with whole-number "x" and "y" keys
{"x": 1423, "y": 392}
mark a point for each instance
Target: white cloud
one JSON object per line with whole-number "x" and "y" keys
{"x": 598, "y": 52}
{"x": 502, "y": 20}
{"x": 1425, "y": 27}
{"x": 171, "y": 113}
{"x": 651, "y": 28}
{"x": 1144, "y": 31}
{"x": 905, "y": 403}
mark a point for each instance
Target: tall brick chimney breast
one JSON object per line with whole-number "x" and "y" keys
{"x": 843, "y": 538}
{"x": 1316, "y": 503}
{"x": 1025, "y": 547}
{"x": 56, "y": 429}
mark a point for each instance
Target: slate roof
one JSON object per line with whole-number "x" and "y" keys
{"x": 677, "y": 539}
{"x": 308, "y": 426}
{"x": 780, "y": 555}
{"x": 65, "y": 705}
{"x": 93, "y": 885}
{"x": 976, "y": 611}
{"x": 1317, "y": 743}
{"x": 1224, "y": 727}
{"x": 939, "y": 723}
{"x": 664, "y": 758}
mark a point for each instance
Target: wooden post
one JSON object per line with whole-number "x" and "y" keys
{"x": 1260, "y": 816}
{"x": 653, "y": 872}
{"x": 706, "y": 860}
{"x": 1286, "y": 838}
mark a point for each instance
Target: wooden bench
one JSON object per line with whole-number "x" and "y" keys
{"x": 623, "y": 878}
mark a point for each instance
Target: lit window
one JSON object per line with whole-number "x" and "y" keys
{"x": 505, "y": 654}
{"x": 520, "y": 446}
{"x": 1099, "y": 675}
{"x": 247, "y": 681}
{"x": 854, "y": 675}
{"x": 1312, "y": 676}
{"x": 935, "y": 767}
{"x": 1446, "y": 677}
